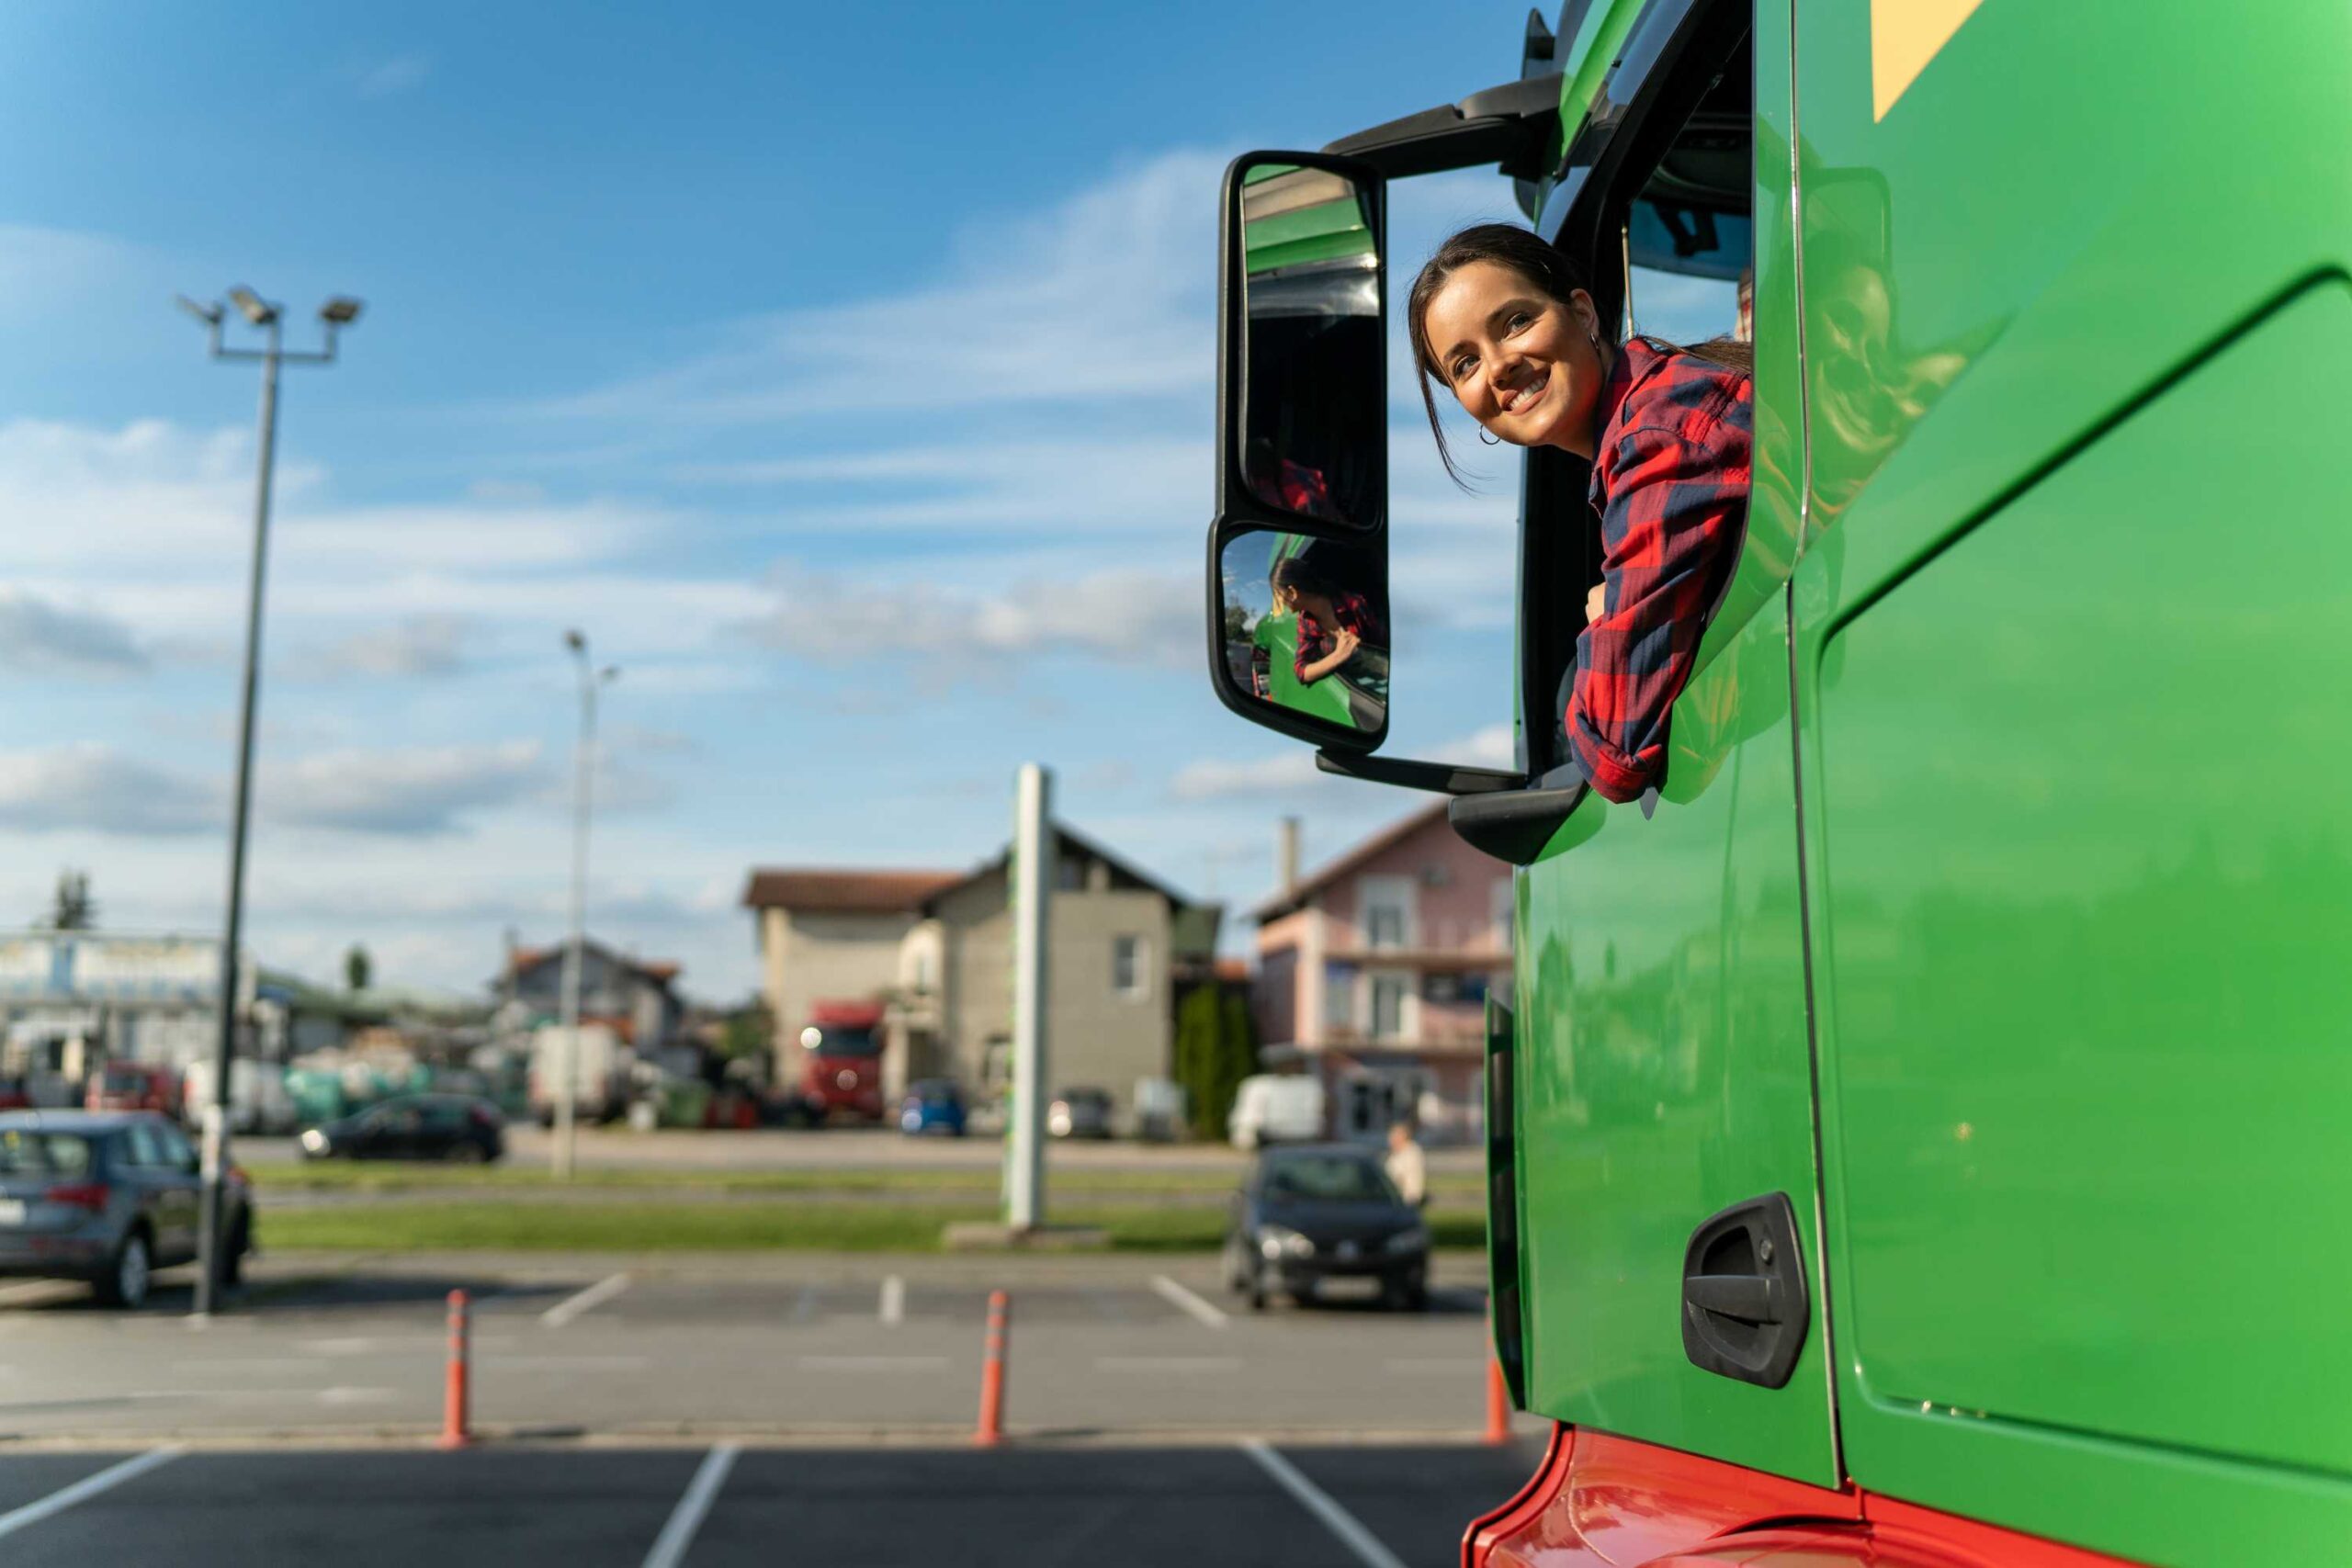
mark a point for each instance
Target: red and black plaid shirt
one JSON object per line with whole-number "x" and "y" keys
{"x": 1669, "y": 480}
{"x": 1353, "y": 615}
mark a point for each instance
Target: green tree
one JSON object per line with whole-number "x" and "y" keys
{"x": 1237, "y": 1046}
{"x": 72, "y": 909}
{"x": 357, "y": 969}
{"x": 748, "y": 1031}
{"x": 1199, "y": 1022}
{"x": 1217, "y": 1047}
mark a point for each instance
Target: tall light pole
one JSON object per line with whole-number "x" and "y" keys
{"x": 335, "y": 314}
{"x": 584, "y": 775}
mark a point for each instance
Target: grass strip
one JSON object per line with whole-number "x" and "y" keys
{"x": 526, "y": 1226}
{"x": 352, "y": 1175}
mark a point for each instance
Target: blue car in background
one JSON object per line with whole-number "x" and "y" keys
{"x": 932, "y": 1105}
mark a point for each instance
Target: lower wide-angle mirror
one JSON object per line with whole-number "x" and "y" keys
{"x": 1303, "y": 627}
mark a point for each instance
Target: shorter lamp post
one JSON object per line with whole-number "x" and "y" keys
{"x": 574, "y": 955}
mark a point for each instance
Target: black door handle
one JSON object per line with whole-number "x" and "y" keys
{"x": 1746, "y": 1297}
{"x": 1745, "y": 1305}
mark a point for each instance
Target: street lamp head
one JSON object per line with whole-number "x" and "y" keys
{"x": 209, "y": 314}
{"x": 609, "y": 673}
{"x": 574, "y": 641}
{"x": 257, "y": 311}
{"x": 340, "y": 312}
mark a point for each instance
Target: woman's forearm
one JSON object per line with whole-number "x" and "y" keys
{"x": 1321, "y": 667}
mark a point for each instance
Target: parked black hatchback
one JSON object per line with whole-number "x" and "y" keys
{"x": 1317, "y": 1212}
{"x": 414, "y": 1126}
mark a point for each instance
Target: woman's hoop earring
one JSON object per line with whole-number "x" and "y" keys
{"x": 1490, "y": 440}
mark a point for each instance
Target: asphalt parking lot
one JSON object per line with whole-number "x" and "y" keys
{"x": 798, "y": 1346}
{"x": 1299, "y": 1506}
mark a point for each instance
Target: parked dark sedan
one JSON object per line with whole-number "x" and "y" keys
{"x": 1316, "y": 1212}
{"x": 108, "y": 1197}
{"x": 414, "y": 1126}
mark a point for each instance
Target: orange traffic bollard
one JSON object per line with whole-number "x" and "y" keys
{"x": 991, "y": 1429}
{"x": 1497, "y": 1403}
{"x": 453, "y": 1405}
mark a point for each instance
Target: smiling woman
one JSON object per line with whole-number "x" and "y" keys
{"x": 1501, "y": 319}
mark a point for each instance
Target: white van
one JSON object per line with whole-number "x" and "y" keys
{"x": 1275, "y": 1108}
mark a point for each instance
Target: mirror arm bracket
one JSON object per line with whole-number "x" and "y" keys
{"x": 1439, "y": 778}
{"x": 1509, "y": 125}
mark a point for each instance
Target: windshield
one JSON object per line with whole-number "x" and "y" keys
{"x": 1336, "y": 1179}
{"x": 836, "y": 1042}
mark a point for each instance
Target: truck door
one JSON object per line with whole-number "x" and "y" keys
{"x": 1665, "y": 1079}
{"x": 2071, "y": 621}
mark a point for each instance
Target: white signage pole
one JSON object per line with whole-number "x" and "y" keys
{"x": 1033, "y": 887}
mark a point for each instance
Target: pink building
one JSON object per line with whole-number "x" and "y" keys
{"x": 1373, "y": 973}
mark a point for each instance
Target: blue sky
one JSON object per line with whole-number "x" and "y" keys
{"x": 844, "y": 372}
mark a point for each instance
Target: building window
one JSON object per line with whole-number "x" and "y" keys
{"x": 1338, "y": 996}
{"x": 1387, "y": 910}
{"x": 1500, "y": 902}
{"x": 1389, "y": 1005}
{"x": 1128, "y": 976}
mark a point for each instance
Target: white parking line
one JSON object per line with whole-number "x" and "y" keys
{"x": 594, "y": 1296}
{"x": 88, "y": 1486}
{"x": 1181, "y": 1364}
{"x": 894, "y": 1299}
{"x": 670, "y": 1546}
{"x": 1189, "y": 1302}
{"x": 872, "y": 1363}
{"x": 1338, "y": 1520}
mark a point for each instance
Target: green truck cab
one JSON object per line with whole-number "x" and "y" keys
{"x": 1922, "y": 1131}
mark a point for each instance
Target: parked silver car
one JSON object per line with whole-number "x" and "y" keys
{"x": 106, "y": 1196}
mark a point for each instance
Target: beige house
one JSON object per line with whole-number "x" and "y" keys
{"x": 937, "y": 948}
{"x": 832, "y": 934}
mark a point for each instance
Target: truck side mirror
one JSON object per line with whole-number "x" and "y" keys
{"x": 1298, "y": 573}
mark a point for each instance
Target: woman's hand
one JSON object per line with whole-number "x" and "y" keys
{"x": 1596, "y": 602}
{"x": 1343, "y": 648}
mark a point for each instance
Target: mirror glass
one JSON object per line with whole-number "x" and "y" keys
{"x": 1305, "y": 626}
{"x": 1312, "y": 356}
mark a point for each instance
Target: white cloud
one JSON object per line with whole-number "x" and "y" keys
{"x": 1132, "y": 616}
{"x": 1104, "y": 297}
{"x": 1114, "y": 483}
{"x": 95, "y": 787}
{"x": 416, "y": 644}
{"x": 1285, "y": 773}
{"x": 41, "y": 636}
{"x": 419, "y": 792}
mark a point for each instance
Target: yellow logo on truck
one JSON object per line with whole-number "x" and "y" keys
{"x": 1905, "y": 36}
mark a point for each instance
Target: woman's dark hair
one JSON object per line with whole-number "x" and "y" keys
{"x": 1296, "y": 571}
{"x": 1554, "y": 275}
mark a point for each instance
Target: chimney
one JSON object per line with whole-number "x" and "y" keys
{"x": 1286, "y": 855}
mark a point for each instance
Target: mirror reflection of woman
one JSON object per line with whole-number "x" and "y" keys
{"x": 1504, "y": 322}
{"x": 1337, "y": 633}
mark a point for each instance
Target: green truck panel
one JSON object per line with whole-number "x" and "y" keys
{"x": 2084, "y": 1027}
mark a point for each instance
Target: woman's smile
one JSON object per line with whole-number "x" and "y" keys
{"x": 1524, "y": 391}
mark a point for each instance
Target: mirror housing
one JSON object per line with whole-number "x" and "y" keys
{"x": 1302, "y": 447}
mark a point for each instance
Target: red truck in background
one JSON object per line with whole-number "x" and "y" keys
{"x": 133, "y": 1086}
{"x": 840, "y": 1051}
